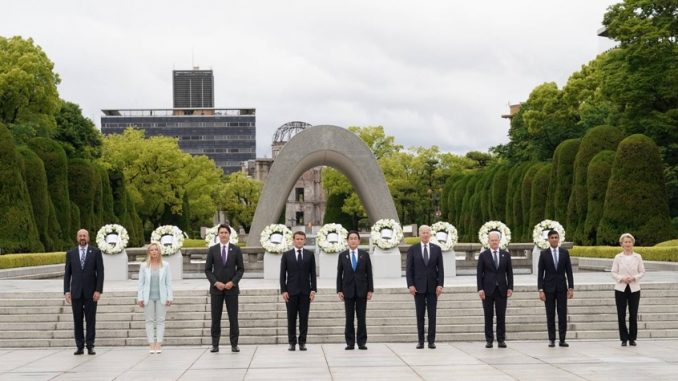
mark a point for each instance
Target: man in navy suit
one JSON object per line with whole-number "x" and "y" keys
{"x": 355, "y": 287}
{"x": 83, "y": 285}
{"x": 495, "y": 285}
{"x": 298, "y": 288}
{"x": 224, "y": 269}
{"x": 556, "y": 285}
{"x": 425, "y": 278}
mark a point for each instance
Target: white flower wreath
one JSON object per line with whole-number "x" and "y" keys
{"x": 331, "y": 238}
{"x": 540, "y": 233}
{"x": 444, "y": 234}
{"x": 276, "y": 238}
{"x": 499, "y": 226}
{"x": 212, "y": 236}
{"x": 386, "y": 233}
{"x": 112, "y": 239}
{"x": 169, "y": 237}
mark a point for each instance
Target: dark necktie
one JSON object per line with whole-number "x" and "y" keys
{"x": 496, "y": 259}
{"x": 223, "y": 254}
{"x": 354, "y": 260}
{"x": 299, "y": 257}
{"x": 82, "y": 258}
{"x": 425, "y": 254}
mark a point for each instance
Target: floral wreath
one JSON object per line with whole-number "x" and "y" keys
{"x": 212, "y": 236}
{"x": 504, "y": 231}
{"x": 167, "y": 248}
{"x": 331, "y": 247}
{"x": 386, "y": 242}
{"x": 113, "y": 246}
{"x": 448, "y": 229}
{"x": 276, "y": 247}
{"x": 538, "y": 233}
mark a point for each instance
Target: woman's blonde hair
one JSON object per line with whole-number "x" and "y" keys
{"x": 627, "y": 235}
{"x": 148, "y": 252}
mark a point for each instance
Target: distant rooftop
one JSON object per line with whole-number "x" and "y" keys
{"x": 179, "y": 111}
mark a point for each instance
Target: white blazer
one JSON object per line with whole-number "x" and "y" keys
{"x": 627, "y": 265}
{"x": 144, "y": 286}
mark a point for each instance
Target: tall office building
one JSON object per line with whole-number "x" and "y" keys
{"x": 193, "y": 88}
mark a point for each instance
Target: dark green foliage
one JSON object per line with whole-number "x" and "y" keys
{"x": 499, "y": 191}
{"x": 596, "y": 139}
{"x": 562, "y": 176}
{"x": 333, "y": 213}
{"x": 474, "y": 220}
{"x": 513, "y": 198}
{"x": 445, "y": 196}
{"x": 98, "y": 203}
{"x": 36, "y": 182}
{"x": 56, "y": 167}
{"x": 75, "y": 222}
{"x": 486, "y": 195}
{"x": 467, "y": 209}
{"x": 107, "y": 197}
{"x": 77, "y": 134}
{"x": 18, "y": 231}
{"x": 82, "y": 187}
{"x": 457, "y": 195}
{"x": 636, "y": 201}
{"x": 119, "y": 195}
{"x": 540, "y": 189}
{"x": 136, "y": 230}
{"x": 522, "y": 212}
{"x": 598, "y": 175}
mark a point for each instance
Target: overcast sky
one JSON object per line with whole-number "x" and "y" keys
{"x": 431, "y": 72}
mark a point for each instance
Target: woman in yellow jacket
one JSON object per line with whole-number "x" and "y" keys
{"x": 154, "y": 295}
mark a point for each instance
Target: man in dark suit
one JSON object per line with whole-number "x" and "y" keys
{"x": 355, "y": 287}
{"x": 298, "y": 288}
{"x": 224, "y": 269}
{"x": 425, "y": 277}
{"x": 556, "y": 285}
{"x": 495, "y": 285}
{"x": 83, "y": 285}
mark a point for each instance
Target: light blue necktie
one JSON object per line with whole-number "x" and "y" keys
{"x": 354, "y": 260}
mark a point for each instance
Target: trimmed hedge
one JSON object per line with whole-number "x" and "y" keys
{"x": 636, "y": 199}
{"x": 523, "y": 231}
{"x": 458, "y": 192}
{"x": 561, "y": 178}
{"x": 498, "y": 197}
{"x": 673, "y": 242}
{"x": 597, "y": 176}
{"x": 82, "y": 187}
{"x": 54, "y": 159}
{"x": 109, "y": 216}
{"x": 11, "y": 261}
{"x": 653, "y": 253}
{"x": 18, "y": 231}
{"x": 540, "y": 190}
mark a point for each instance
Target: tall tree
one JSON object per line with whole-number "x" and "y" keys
{"x": 77, "y": 134}
{"x": 238, "y": 198}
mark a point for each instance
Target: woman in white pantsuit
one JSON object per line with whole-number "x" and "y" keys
{"x": 154, "y": 295}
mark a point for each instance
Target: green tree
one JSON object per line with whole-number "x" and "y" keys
{"x": 523, "y": 211}
{"x": 498, "y": 189}
{"x": 82, "y": 186}
{"x": 598, "y": 175}
{"x": 635, "y": 200}
{"x": 28, "y": 89}
{"x": 18, "y": 231}
{"x": 562, "y": 177}
{"x": 76, "y": 133}
{"x": 238, "y": 198}
{"x": 540, "y": 190}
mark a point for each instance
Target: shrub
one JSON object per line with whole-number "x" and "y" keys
{"x": 523, "y": 231}
{"x": 636, "y": 200}
{"x": 82, "y": 187}
{"x": 498, "y": 190}
{"x": 664, "y": 254}
{"x": 540, "y": 188}
{"x": 597, "y": 176}
{"x": 11, "y": 261}
{"x": 561, "y": 178}
{"x": 673, "y": 242}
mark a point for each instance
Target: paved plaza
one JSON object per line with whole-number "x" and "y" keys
{"x": 583, "y": 360}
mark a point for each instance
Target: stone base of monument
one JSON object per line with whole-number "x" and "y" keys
{"x": 536, "y": 252}
{"x": 450, "y": 263}
{"x": 272, "y": 265}
{"x": 386, "y": 263}
{"x": 115, "y": 266}
{"x": 176, "y": 262}
{"x": 328, "y": 264}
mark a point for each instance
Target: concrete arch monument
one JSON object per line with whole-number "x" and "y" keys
{"x": 323, "y": 145}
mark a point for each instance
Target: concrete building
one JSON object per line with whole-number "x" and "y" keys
{"x": 193, "y": 88}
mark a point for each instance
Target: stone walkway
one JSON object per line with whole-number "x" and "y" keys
{"x": 583, "y": 360}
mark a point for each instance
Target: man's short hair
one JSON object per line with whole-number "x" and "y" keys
{"x": 352, "y": 232}
{"x": 494, "y": 232}
{"x": 552, "y": 233}
{"x": 224, "y": 226}
{"x": 298, "y": 232}
{"x": 424, "y": 227}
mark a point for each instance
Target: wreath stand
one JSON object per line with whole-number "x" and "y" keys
{"x": 176, "y": 262}
{"x": 272, "y": 265}
{"x": 115, "y": 266}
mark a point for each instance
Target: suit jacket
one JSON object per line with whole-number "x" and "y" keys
{"x": 297, "y": 278}
{"x": 231, "y": 271}
{"x": 425, "y": 278}
{"x": 354, "y": 283}
{"x": 82, "y": 283}
{"x": 144, "y": 284}
{"x": 550, "y": 278}
{"x": 489, "y": 276}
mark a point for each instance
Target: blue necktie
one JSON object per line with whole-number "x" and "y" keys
{"x": 354, "y": 260}
{"x": 82, "y": 258}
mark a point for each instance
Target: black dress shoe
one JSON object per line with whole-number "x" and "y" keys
{"x": 623, "y": 343}
{"x": 292, "y": 347}
{"x": 362, "y": 347}
{"x": 214, "y": 349}
{"x": 302, "y": 347}
{"x": 552, "y": 343}
{"x": 79, "y": 351}
{"x": 432, "y": 345}
{"x": 632, "y": 342}
{"x": 501, "y": 344}
{"x": 563, "y": 344}
{"x": 420, "y": 346}
{"x": 349, "y": 347}
{"x": 234, "y": 348}
{"x": 488, "y": 344}
{"x": 90, "y": 351}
